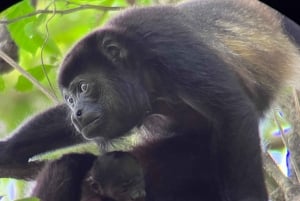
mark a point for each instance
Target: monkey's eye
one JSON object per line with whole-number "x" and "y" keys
{"x": 69, "y": 100}
{"x": 83, "y": 87}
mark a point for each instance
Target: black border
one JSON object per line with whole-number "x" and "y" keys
{"x": 4, "y": 4}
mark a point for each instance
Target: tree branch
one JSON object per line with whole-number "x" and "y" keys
{"x": 11, "y": 62}
{"x": 62, "y": 12}
{"x": 290, "y": 190}
{"x": 289, "y": 104}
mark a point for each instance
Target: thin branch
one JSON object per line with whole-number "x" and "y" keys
{"x": 291, "y": 191}
{"x": 289, "y": 104}
{"x": 11, "y": 62}
{"x": 62, "y": 12}
{"x": 272, "y": 169}
{"x": 43, "y": 46}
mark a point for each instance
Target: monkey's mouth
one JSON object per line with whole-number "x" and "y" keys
{"x": 92, "y": 128}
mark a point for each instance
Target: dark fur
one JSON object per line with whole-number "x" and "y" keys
{"x": 195, "y": 184}
{"x": 115, "y": 176}
{"x": 119, "y": 176}
{"x": 211, "y": 67}
{"x": 61, "y": 180}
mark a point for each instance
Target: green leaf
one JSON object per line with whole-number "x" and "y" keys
{"x": 39, "y": 39}
{"x": 101, "y": 2}
{"x": 2, "y": 84}
{"x": 17, "y": 29}
{"x": 23, "y": 84}
{"x": 144, "y": 2}
{"x": 37, "y": 72}
{"x": 86, "y": 1}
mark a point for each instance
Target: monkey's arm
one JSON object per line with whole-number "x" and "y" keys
{"x": 46, "y": 131}
{"x": 213, "y": 90}
{"x": 236, "y": 138}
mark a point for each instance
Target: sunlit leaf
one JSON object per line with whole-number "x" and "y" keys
{"x": 17, "y": 29}
{"x": 2, "y": 84}
{"x": 37, "y": 72}
{"x": 144, "y": 2}
{"x": 87, "y": 1}
{"x": 101, "y": 2}
{"x": 39, "y": 39}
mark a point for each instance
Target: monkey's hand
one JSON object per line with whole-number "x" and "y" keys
{"x": 138, "y": 194}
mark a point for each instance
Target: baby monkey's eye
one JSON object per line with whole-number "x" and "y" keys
{"x": 83, "y": 87}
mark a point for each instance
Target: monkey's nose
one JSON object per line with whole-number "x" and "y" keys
{"x": 78, "y": 113}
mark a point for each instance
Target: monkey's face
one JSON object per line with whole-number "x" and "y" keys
{"x": 103, "y": 87}
{"x": 117, "y": 175}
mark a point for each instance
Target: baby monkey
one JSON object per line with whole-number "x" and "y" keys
{"x": 117, "y": 176}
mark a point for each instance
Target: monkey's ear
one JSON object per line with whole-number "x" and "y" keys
{"x": 112, "y": 48}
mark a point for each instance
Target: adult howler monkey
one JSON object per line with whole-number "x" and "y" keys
{"x": 211, "y": 67}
